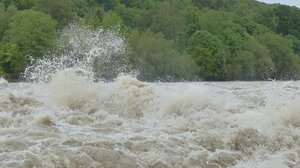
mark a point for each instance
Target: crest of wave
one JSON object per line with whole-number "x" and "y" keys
{"x": 95, "y": 54}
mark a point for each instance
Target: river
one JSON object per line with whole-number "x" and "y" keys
{"x": 62, "y": 118}
{"x": 72, "y": 122}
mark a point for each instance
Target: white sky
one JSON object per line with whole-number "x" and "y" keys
{"x": 287, "y": 2}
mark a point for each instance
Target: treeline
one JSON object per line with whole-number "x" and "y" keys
{"x": 167, "y": 39}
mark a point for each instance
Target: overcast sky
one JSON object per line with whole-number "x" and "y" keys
{"x": 287, "y": 2}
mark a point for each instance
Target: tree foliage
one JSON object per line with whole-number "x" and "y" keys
{"x": 208, "y": 53}
{"x": 281, "y": 51}
{"x": 155, "y": 58}
{"x": 62, "y": 11}
{"x": 166, "y": 39}
{"x": 30, "y": 33}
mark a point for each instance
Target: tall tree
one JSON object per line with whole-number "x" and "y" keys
{"x": 252, "y": 63}
{"x": 281, "y": 51}
{"x": 155, "y": 58}
{"x": 5, "y": 16}
{"x": 30, "y": 33}
{"x": 208, "y": 53}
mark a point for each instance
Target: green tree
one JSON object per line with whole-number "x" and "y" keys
{"x": 288, "y": 20}
{"x": 281, "y": 51}
{"x": 114, "y": 22}
{"x": 109, "y": 4}
{"x": 10, "y": 61}
{"x": 61, "y": 10}
{"x": 132, "y": 17}
{"x": 95, "y": 17}
{"x": 25, "y": 4}
{"x": 155, "y": 58}
{"x": 145, "y": 4}
{"x": 266, "y": 17}
{"x": 245, "y": 8}
{"x": 5, "y": 15}
{"x": 81, "y": 8}
{"x": 221, "y": 39}
{"x": 167, "y": 18}
{"x": 208, "y": 52}
{"x": 30, "y": 33}
{"x": 213, "y": 4}
{"x": 3, "y": 20}
{"x": 192, "y": 22}
{"x": 252, "y": 28}
{"x": 253, "y": 62}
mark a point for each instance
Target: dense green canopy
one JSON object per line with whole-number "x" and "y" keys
{"x": 166, "y": 39}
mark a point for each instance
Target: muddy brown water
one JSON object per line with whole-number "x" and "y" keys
{"x": 73, "y": 123}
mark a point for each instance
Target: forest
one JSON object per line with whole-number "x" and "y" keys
{"x": 167, "y": 40}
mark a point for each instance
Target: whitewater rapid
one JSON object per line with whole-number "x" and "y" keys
{"x": 72, "y": 122}
{"x": 66, "y": 116}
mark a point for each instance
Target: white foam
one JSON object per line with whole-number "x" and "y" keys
{"x": 66, "y": 119}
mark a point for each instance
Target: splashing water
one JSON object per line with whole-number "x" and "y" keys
{"x": 96, "y": 54}
{"x": 72, "y": 121}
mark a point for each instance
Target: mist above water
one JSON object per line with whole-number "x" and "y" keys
{"x": 66, "y": 119}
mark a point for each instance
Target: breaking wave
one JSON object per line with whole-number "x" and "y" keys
{"x": 73, "y": 122}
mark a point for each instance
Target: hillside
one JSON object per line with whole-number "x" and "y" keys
{"x": 214, "y": 40}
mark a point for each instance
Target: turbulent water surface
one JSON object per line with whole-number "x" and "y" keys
{"x": 71, "y": 122}
{"x": 62, "y": 118}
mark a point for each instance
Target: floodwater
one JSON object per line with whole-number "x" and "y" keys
{"x": 71, "y": 122}
{"x": 63, "y": 119}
